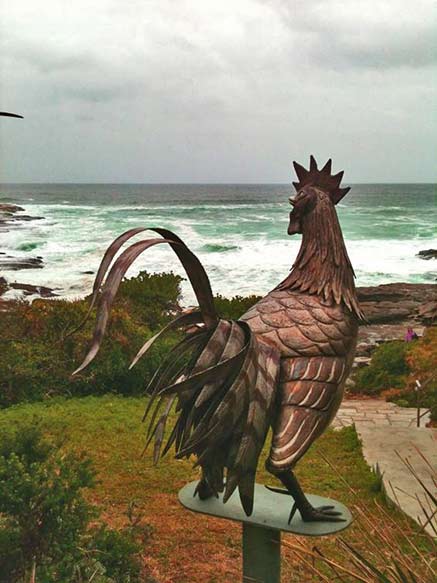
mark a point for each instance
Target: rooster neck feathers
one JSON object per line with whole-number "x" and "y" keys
{"x": 322, "y": 265}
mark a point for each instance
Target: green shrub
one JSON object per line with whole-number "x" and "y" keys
{"x": 44, "y": 517}
{"x": 234, "y": 308}
{"x": 394, "y": 368}
{"x": 152, "y": 297}
{"x": 422, "y": 360}
{"x": 38, "y": 356}
{"x": 41, "y": 503}
{"x": 388, "y": 369}
{"x": 114, "y": 550}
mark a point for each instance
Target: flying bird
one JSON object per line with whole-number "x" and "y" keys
{"x": 7, "y": 114}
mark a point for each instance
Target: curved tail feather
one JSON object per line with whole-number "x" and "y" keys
{"x": 220, "y": 376}
{"x": 109, "y": 255}
{"x": 190, "y": 262}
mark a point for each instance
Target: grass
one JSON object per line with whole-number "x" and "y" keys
{"x": 192, "y": 548}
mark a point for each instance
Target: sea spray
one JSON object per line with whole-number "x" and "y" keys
{"x": 238, "y": 232}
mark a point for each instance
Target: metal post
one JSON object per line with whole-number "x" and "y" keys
{"x": 262, "y": 529}
{"x": 417, "y": 389}
{"x": 261, "y": 554}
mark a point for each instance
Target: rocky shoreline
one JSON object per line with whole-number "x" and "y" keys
{"x": 12, "y": 217}
{"x": 392, "y": 308}
{"x": 389, "y": 308}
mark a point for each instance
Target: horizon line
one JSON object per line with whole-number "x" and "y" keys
{"x": 197, "y": 183}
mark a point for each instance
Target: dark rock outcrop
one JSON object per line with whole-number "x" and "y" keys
{"x": 11, "y": 217}
{"x": 25, "y": 289}
{"x": 17, "y": 263}
{"x": 428, "y": 312}
{"x": 10, "y": 208}
{"x": 29, "y": 289}
{"x": 428, "y": 254}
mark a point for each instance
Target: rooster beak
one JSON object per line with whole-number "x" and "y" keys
{"x": 292, "y": 201}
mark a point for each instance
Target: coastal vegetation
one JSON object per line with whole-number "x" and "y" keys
{"x": 394, "y": 369}
{"x": 70, "y": 457}
{"x": 107, "y": 430}
{"x": 40, "y": 351}
{"x": 41, "y": 345}
{"x": 49, "y": 531}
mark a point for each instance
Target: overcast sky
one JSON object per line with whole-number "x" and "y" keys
{"x": 217, "y": 91}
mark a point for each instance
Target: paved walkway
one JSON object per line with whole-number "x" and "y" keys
{"x": 374, "y": 412}
{"x": 390, "y": 437}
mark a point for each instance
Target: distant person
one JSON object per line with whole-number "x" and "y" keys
{"x": 410, "y": 335}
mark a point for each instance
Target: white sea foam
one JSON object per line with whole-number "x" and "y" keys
{"x": 244, "y": 247}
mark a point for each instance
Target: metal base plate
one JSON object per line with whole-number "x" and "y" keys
{"x": 271, "y": 510}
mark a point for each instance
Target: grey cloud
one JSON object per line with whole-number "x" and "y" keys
{"x": 93, "y": 94}
{"x": 380, "y": 51}
{"x": 46, "y": 59}
{"x": 390, "y": 35}
{"x": 70, "y": 73}
{"x": 208, "y": 91}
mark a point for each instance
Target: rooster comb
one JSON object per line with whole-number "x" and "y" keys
{"x": 323, "y": 179}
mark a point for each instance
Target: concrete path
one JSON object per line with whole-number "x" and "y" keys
{"x": 381, "y": 446}
{"x": 389, "y": 437}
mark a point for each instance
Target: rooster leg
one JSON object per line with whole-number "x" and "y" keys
{"x": 211, "y": 481}
{"x": 308, "y": 512}
{"x": 204, "y": 490}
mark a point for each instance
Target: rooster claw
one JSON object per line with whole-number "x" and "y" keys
{"x": 203, "y": 490}
{"x": 278, "y": 490}
{"x": 309, "y": 513}
{"x": 321, "y": 514}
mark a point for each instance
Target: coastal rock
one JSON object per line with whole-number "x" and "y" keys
{"x": 30, "y": 289}
{"x": 392, "y": 308}
{"x": 3, "y": 286}
{"x": 10, "y": 208}
{"x": 428, "y": 254}
{"x": 10, "y": 216}
{"x": 25, "y": 289}
{"x": 428, "y": 312}
{"x": 27, "y": 218}
{"x": 395, "y": 302}
{"x": 13, "y": 221}
{"x": 16, "y": 263}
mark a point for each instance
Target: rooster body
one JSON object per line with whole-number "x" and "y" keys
{"x": 282, "y": 365}
{"x": 316, "y": 342}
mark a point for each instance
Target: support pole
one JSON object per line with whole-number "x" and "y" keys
{"x": 261, "y": 554}
{"x": 262, "y": 529}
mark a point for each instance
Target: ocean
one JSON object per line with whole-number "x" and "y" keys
{"x": 238, "y": 231}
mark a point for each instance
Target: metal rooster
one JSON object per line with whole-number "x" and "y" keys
{"x": 282, "y": 365}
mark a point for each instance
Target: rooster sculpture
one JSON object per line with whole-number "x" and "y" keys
{"x": 282, "y": 365}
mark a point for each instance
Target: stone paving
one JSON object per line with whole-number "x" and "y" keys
{"x": 389, "y": 435}
{"x": 389, "y": 448}
{"x": 374, "y": 412}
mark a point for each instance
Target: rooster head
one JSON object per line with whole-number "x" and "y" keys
{"x": 314, "y": 187}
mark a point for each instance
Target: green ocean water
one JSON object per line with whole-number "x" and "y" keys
{"x": 238, "y": 231}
